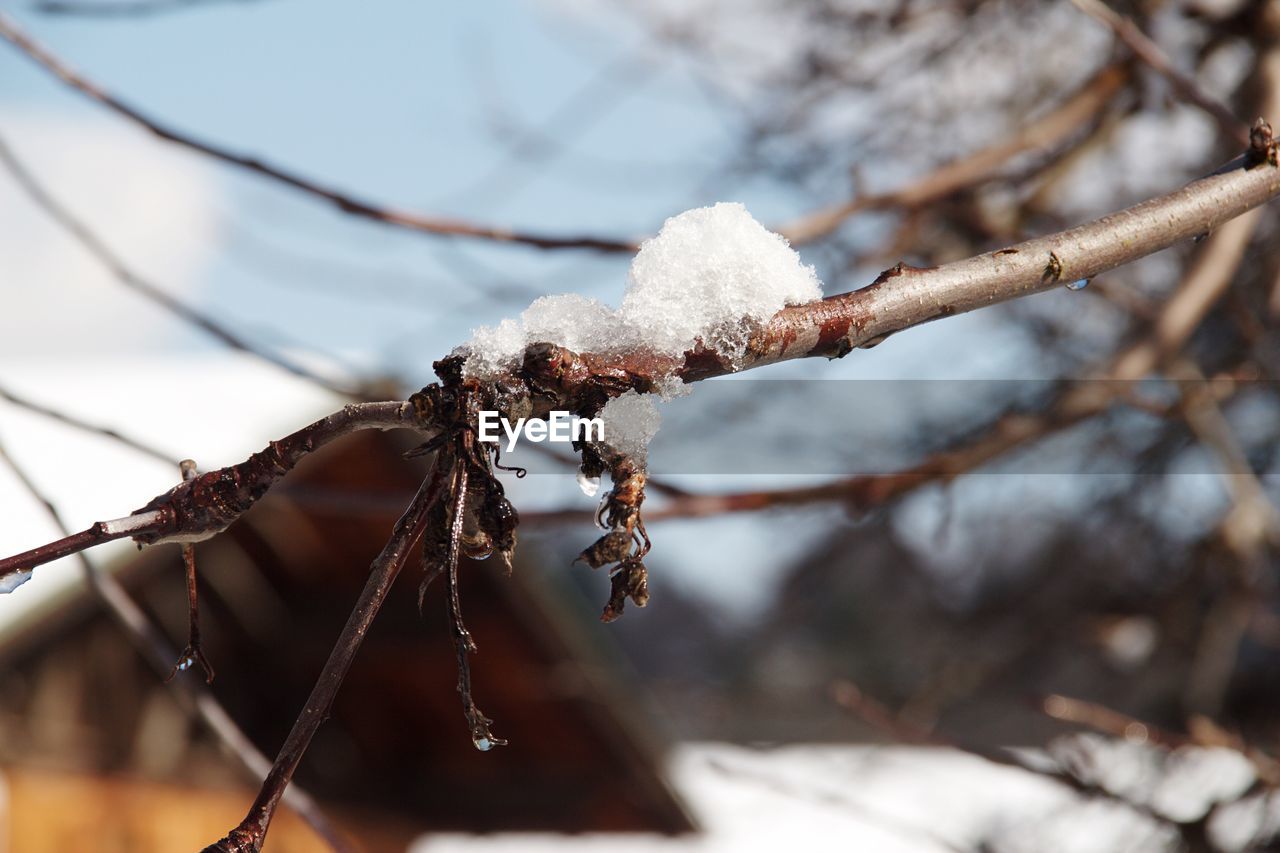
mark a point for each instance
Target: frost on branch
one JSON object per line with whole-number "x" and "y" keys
{"x": 631, "y": 421}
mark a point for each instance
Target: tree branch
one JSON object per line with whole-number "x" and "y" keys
{"x": 850, "y": 697}
{"x": 249, "y": 835}
{"x": 200, "y": 508}
{"x": 1253, "y": 521}
{"x": 900, "y": 298}
{"x": 1040, "y": 135}
{"x": 907, "y": 296}
{"x": 1207, "y": 280}
{"x": 1111, "y": 722}
{"x": 99, "y": 533}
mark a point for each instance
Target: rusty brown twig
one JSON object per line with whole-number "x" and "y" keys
{"x": 473, "y": 519}
{"x": 193, "y": 653}
{"x": 208, "y": 504}
{"x": 250, "y": 834}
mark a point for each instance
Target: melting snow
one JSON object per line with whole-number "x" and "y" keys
{"x": 13, "y": 581}
{"x": 630, "y": 423}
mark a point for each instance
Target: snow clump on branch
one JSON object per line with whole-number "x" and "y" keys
{"x": 712, "y": 274}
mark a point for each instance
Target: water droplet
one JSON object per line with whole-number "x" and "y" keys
{"x": 1200, "y": 238}
{"x": 185, "y": 664}
{"x": 1078, "y": 284}
{"x": 482, "y": 743}
{"x": 13, "y": 581}
{"x": 602, "y": 511}
{"x": 589, "y": 485}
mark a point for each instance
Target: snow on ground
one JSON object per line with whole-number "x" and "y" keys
{"x": 896, "y": 799}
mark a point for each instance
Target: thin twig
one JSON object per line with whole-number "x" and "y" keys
{"x": 12, "y": 33}
{"x": 127, "y": 277}
{"x": 208, "y": 504}
{"x": 1118, "y": 724}
{"x": 1040, "y": 135}
{"x": 848, "y": 696}
{"x": 249, "y": 835}
{"x": 1246, "y": 529}
{"x": 1151, "y": 54}
{"x": 1253, "y": 521}
{"x": 1108, "y": 721}
{"x": 193, "y": 653}
{"x": 126, "y": 8}
{"x": 195, "y": 699}
{"x": 106, "y": 432}
{"x": 464, "y": 645}
{"x": 98, "y": 533}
